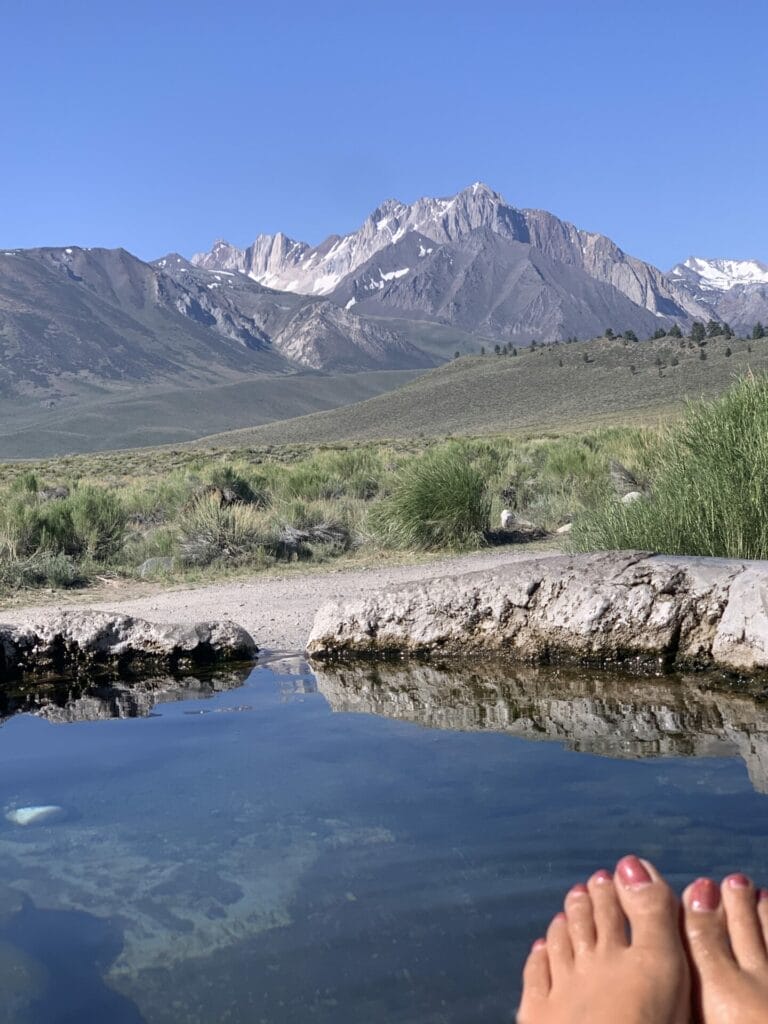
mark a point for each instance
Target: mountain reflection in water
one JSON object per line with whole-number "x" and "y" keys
{"x": 608, "y": 714}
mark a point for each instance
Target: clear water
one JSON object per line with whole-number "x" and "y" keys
{"x": 361, "y": 847}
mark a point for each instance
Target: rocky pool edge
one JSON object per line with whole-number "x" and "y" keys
{"x": 641, "y": 611}
{"x": 86, "y": 641}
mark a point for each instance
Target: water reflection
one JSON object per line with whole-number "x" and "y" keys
{"x": 70, "y": 700}
{"x": 613, "y": 715}
{"x": 287, "y": 864}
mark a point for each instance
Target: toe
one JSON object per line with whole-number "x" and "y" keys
{"x": 705, "y": 928}
{"x": 610, "y": 923}
{"x": 762, "y": 913}
{"x": 536, "y": 981}
{"x": 559, "y": 948}
{"x": 581, "y": 920}
{"x": 649, "y": 904}
{"x": 744, "y": 928}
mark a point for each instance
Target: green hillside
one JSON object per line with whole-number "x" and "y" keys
{"x": 101, "y": 422}
{"x": 554, "y": 388}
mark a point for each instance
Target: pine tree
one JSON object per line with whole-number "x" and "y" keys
{"x": 697, "y": 331}
{"x": 728, "y": 352}
{"x": 714, "y": 328}
{"x": 608, "y": 332}
{"x": 758, "y": 331}
{"x": 630, "y": 335}
{"x": 675, "y": 332}
{"x": 659, "y": 333}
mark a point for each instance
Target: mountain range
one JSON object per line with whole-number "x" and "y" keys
{"x": 415, "y": 283}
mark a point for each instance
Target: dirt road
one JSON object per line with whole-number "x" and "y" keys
{"x": 277, "y": 611}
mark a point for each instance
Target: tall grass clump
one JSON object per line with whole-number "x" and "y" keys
{"x": 438, "y": 500}
{"x": 709, "y": 485}
{"x": 212, "y": 532}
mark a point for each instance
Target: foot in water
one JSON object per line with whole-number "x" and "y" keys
{"x": 726, "y": 929}
{"x": 615, "y": 954}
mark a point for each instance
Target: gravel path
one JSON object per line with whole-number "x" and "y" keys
{"x": 277, "y": 611}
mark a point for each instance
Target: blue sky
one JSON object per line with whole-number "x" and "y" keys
{"x": 164, "y": 125}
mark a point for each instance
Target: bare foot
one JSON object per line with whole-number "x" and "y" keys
{"x": 589, "y": 971}
{"x": 726, "y": 928}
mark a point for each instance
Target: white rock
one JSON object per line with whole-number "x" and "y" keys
{"x": 33, "y": 815}
{"x": 565, "y": 528}
{"x": 631, "y": 496}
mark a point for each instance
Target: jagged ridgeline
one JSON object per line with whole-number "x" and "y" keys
{"x": 98, "y": 344}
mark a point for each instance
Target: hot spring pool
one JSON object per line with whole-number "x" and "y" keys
{"x": 371, "y": 846}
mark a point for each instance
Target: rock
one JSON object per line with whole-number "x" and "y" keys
{"x": 565, "y": 528}
{"x": 34, "y": 815}
{"x": 622, "y": 479}
{"x": 631, "y": 496}
{"x": 741, "y": 640}
{"x": 53, "y": 493}
{"x": 80, "y": 641}
{"x": 161, "y": 563}
{"x": 642, "y": 611}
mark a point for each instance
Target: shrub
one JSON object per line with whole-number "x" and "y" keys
{"x": 235, "y": 487}
{"x": 709, "y": 492}
{"x": 98, "y": 521}
{"x": 44, "y": 569}
{"x": 439, "y": 500}
{"x": 212, "y": 532}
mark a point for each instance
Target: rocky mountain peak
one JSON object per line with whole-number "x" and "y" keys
{"x": 721, "y": 274}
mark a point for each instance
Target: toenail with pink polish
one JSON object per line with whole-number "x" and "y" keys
{"x": 632, "y": 872}
{"x": 578, "y": 890}
{"x": 738, "y": 881}
{"x": 539, "y": 944}
{"x": 705, "y": 895}
{"x": 602, "y": 876}
{"x": 763, "y": 894}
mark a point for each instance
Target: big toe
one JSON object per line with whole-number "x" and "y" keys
{"x": 649, "y": 904}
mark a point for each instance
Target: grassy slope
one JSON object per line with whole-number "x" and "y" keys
{"x": 109, "y": 422}
{"x": 528, "y": 393}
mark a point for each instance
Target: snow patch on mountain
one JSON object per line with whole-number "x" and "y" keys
{"x": 722, "y": 274}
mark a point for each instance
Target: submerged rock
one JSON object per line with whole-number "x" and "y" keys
{"x": 642, "y": 611}
{"x": 81, "y": 641}
{"x": 11, "y": 903}
{"x": 34, "y": 815}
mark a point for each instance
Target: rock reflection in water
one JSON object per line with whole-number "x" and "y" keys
{"x": 617, "y": 716}
{"x": 75, "y": 701}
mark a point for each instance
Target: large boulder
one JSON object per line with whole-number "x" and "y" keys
{"x": 84, "y": 641}
{"x": 642, "y": 611}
